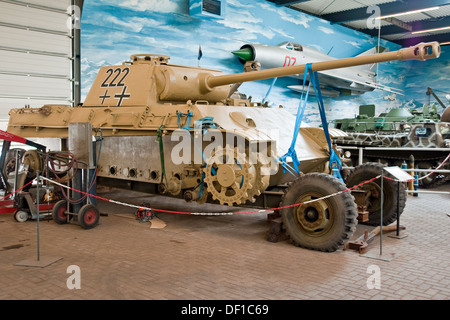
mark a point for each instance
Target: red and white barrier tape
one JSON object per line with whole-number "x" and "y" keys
{"x": 427, "y": 175}
{"x": 204, "y": 213}
{"x": 223, "y": 213}
{"x": 15, "y": 191}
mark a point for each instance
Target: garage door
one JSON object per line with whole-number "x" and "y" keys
{"x": 35, "y": 55}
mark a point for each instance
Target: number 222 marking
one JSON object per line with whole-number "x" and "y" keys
{"x": 110, "y": 72}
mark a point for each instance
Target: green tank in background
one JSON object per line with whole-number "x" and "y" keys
{"x": 394, "y": 121}
{"x": 395, "y": 139}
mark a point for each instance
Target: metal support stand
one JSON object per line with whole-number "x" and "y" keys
{"x": 397, "y": 233}
{"x": 380, "y": 256}
{"x": 16, "y": 175}
{"x": 401, "y": 176}
{"x": 40, "y": 262}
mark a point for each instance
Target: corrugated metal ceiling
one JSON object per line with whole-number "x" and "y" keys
{"x": 354, "y": 14}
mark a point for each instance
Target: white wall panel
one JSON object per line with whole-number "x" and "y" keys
{"x": 33, "y": 86}
{"x": 34, "y": 63}
{"x": 57, "y": 4}
{"x": 11, "y": 13}
{"x": 35, "y": 52}
{"x": 33, "y": 40}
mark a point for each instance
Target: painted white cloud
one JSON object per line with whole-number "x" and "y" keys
{"x": 298, "y": 19}
{"x": 236, "y": 19}
{"x": 326, "y": 30}
{"x": 248, "y": 17}
{"x": 283, "y": 33}
{"x": 353, "y": 43}
{"x": 238, "y": 4}
{"x": 134, "y": 24}
{"x": 164, "y": 6}
{"x": 317, "y": 47}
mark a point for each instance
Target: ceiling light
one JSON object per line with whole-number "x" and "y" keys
{"x": 408, "y": 12}
{"x": 431, "y": 30}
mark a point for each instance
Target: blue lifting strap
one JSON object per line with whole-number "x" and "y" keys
{"x": 270, "y": 89}
{"x": 298, "y": 121}
{"x": 188, "y": 121}
{"x": 202, "y": 125}
{"x": 205, "y": 123}
{"x": 335, "y": 164}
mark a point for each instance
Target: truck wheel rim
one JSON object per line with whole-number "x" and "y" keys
{"x": 316, "y": 218}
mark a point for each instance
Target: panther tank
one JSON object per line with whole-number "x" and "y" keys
{"x": 181, "y": 131}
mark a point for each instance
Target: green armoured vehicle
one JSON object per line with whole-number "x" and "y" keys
{"x": 426, "y": 142}
{"x": 394, "y": 121}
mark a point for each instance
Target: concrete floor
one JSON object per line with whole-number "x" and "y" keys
{"x": 219, "y": 257}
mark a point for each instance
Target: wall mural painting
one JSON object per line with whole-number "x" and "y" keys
{"x": 113, "y": 30}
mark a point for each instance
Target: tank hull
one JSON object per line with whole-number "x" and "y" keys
{"x": 425, "y": 146}
{"x": 130, "y": 147}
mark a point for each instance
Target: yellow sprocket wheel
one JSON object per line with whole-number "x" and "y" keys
{"x": 259, "y": 177}
{"x": 228, "y": 176}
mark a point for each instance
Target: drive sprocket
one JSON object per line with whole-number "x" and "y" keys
{"x": 228, "y": 176}
{"x": 260, "y": 175}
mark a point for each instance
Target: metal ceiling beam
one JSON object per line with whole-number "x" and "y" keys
{"x": 286, "y": 2}
{"x": 386, "y": 9}
{"x": 416, "y": 26}
{"x": 399, "y": 23}
{"x": 441, "y": 38}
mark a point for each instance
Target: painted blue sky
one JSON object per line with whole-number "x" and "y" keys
{"x": 113, "y": 30}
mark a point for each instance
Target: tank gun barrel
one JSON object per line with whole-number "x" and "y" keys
{"x": 421, "y": 52}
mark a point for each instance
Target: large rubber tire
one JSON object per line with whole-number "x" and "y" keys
{"x": 59, "y": 212}
{"x": 322, "y": 225}
{"x": 367, "y": 171}
{"x": 88, "y": 216}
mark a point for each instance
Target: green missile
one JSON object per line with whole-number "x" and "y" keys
{"x": 245, "y": 54}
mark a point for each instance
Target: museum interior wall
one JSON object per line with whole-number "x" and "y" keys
{"x": 113, "y": 30}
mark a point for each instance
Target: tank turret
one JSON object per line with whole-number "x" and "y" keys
{"x": 150, "y": 78}
{"x": 180, "y": 131}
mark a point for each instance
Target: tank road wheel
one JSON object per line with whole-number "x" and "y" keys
{"x": 227, "y": 176}
{"x": 321, "y": 225}
{"x": 88, "y": 216}
{"x": 368, "y": 171}
{"x": 59, "y": 212}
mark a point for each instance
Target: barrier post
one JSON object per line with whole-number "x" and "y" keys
{"x": 37, "y": 212}
{"x": 416, "y": 184}
{"x": 411, "y": 166}
{"x": 47, "y": 260}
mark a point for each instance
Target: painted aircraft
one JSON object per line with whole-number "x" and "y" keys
{"x": 345, "y": 81}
